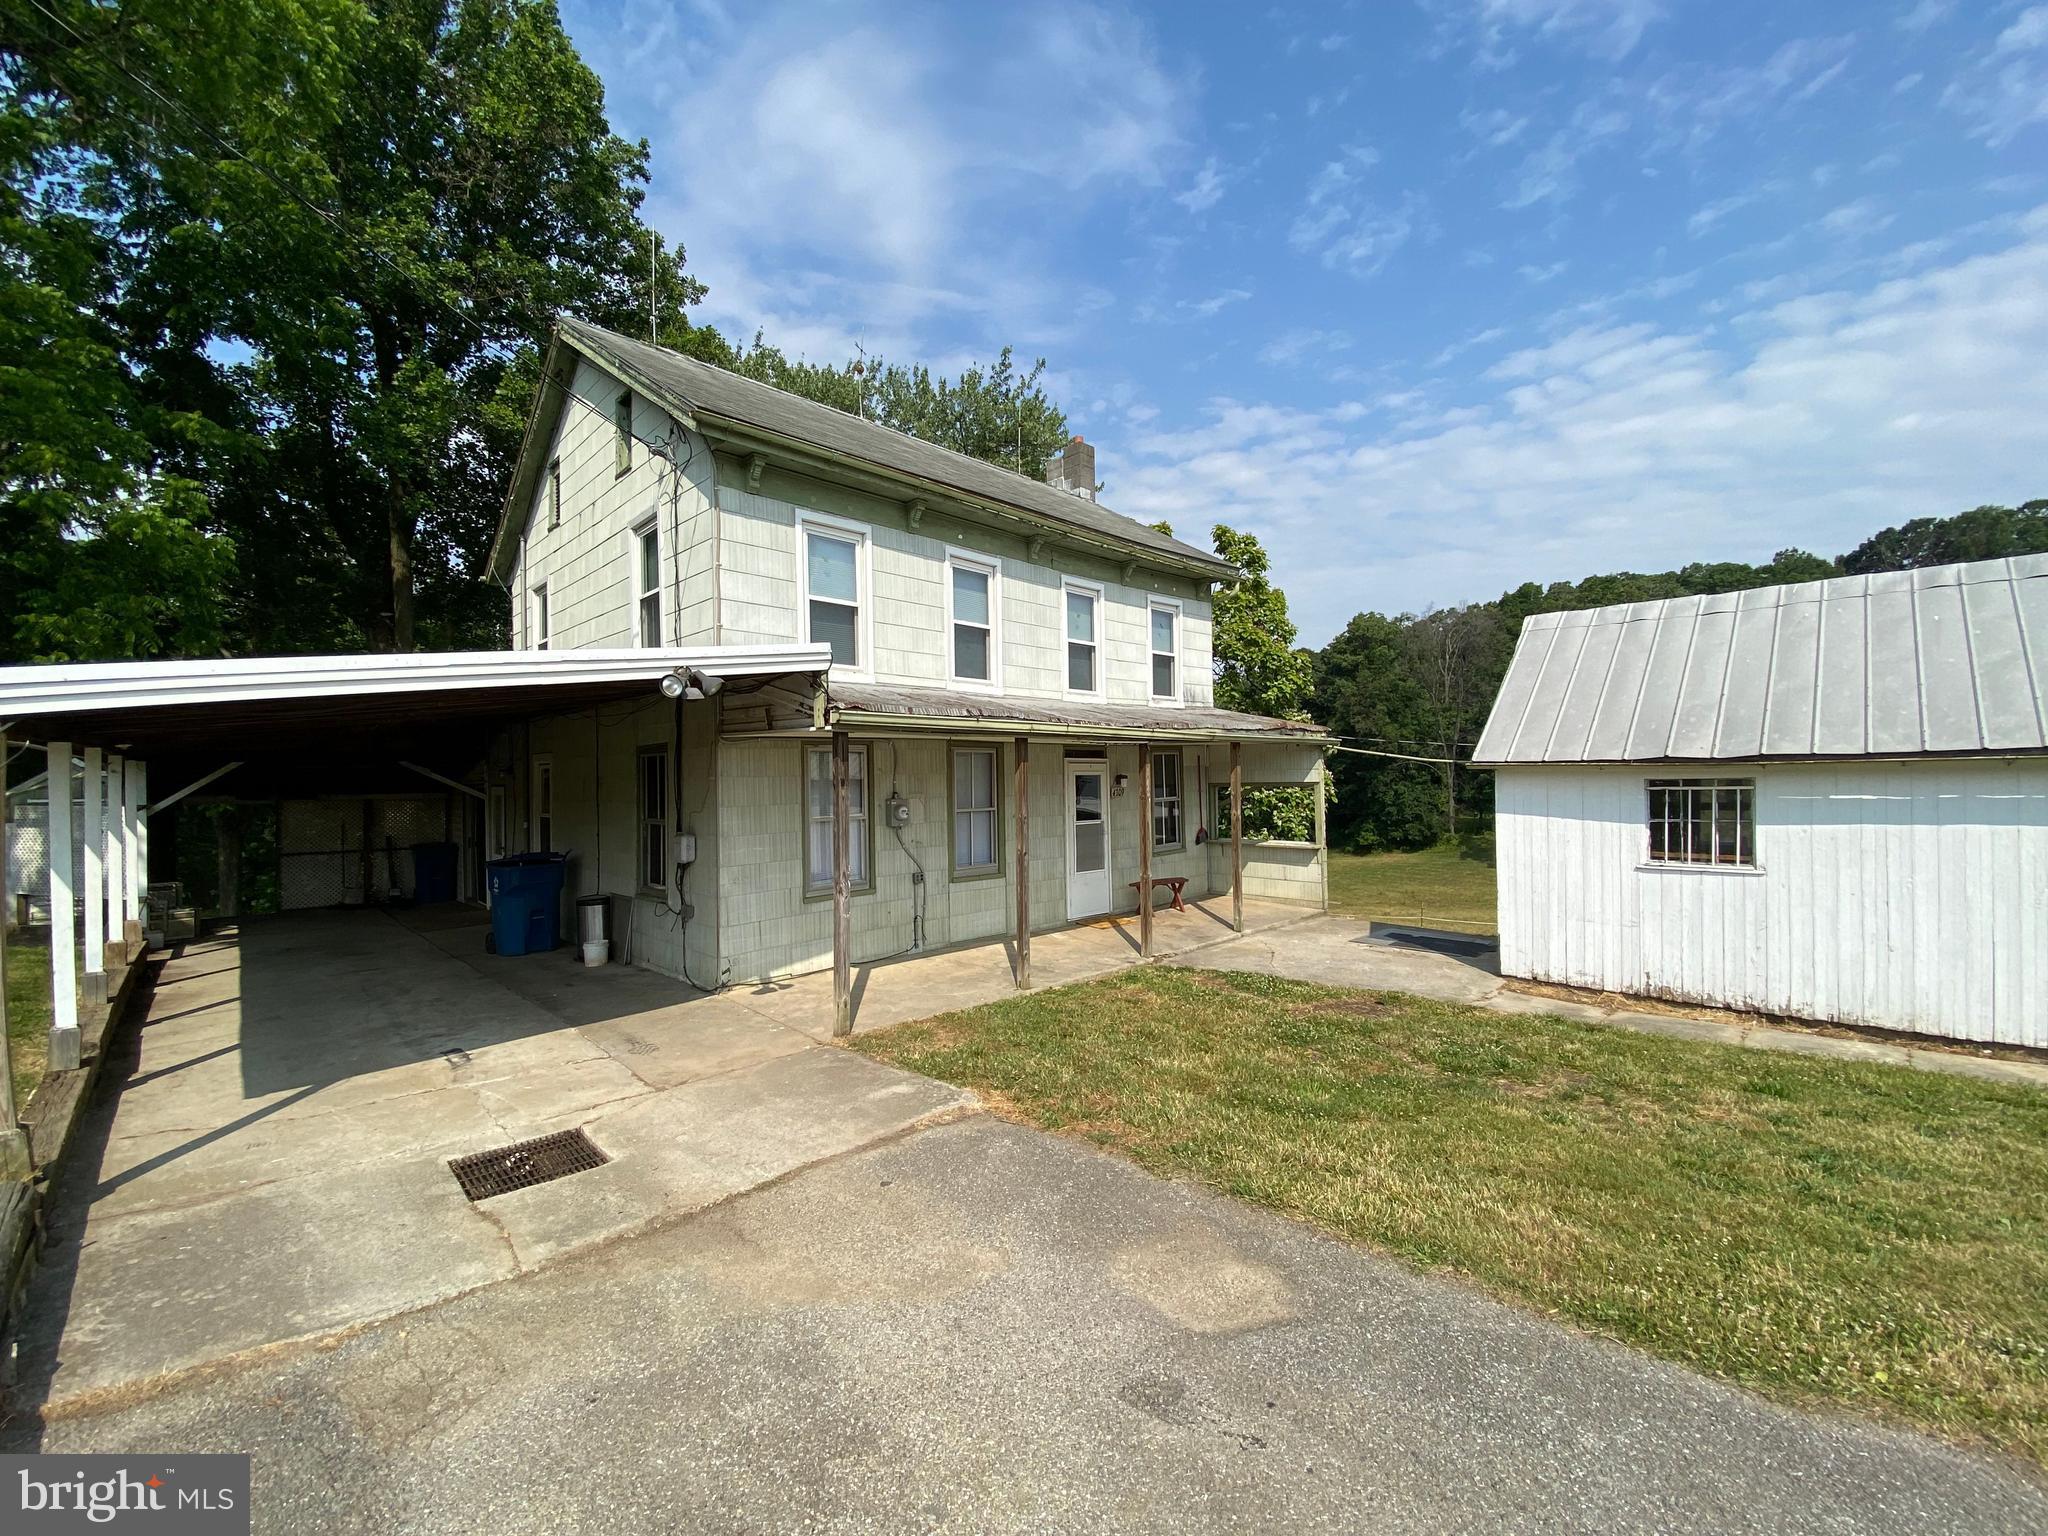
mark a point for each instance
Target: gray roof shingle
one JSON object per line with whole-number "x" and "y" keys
{"x": 1948, "y": 659}
{"x": 714, "y": 392}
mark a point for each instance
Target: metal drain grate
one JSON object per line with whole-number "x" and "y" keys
{"x": 499, "y": 1172}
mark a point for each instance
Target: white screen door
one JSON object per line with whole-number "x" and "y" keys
{"x": 1087, "y": 839}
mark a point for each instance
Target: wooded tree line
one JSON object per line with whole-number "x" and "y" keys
{"x": 273, "y": 279}
{"x": 1422, "y": 684}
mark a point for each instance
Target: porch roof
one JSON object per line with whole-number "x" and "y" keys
{"x": 854, "y": 706}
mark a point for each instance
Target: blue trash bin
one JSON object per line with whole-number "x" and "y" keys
{"x": 433, "y": 873}
{"x": 526, "y": 901}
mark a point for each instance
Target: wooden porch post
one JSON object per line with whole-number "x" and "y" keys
{"x": 1145, "y": 849}
{"x": 14, "y": 1159}
{"x": 1322, "y": 829}
{"x": 1023, "y": 863}
{"x": 1237, "y": 835}
{"x": 842, "y": 912}
{"x": 65, "y": 1048}
{"x": 94, "y": 846}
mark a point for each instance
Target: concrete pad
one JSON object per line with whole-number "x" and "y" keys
{"x": 706, "y": 1141}
{"x": 1835, "y": 1047}
{"x": 1342, "y": 952}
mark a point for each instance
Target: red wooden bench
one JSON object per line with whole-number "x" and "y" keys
{"x": 1174, "y": 883}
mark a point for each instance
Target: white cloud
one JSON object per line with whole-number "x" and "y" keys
{"x": 1695, "y": 105}
{"x": 2003, "y": 91}
{"x": 1542, "y": 274}
{"x": 1205, "y": 309}
{"x": 1814, "y": 422}
{"x": 1608, "y": 29}
{"x": 1344, "y": 226}
{"x": 1713, "y": 213}
{"x": 1494, "y": 127}
{"x": 1854, "y": 221}
{"x": 1205, "y": 190}
{"x": 1293, "y": 346}
{"x": 1550, "y": 174}
{"x": 1923, "y": 15}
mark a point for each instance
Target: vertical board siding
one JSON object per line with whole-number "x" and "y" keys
{"x": 1906, "y": 895}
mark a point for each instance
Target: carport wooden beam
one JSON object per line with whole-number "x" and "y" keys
{"x": 1023, "y": 863}
{"x": 842, "y": 912}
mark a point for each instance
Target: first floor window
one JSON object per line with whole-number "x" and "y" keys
{"x": 818, "y": 818}
{"x": 543, "y": 805}
{"x": 1166, "y": 800}
{"x": 1165, "y": 651}
{"x": 1081, "y": 641}
{"x": 973, "y": 598}
{"x": 974, "y": 811}
{"x": 832, "y": 591}
{"x": 649, "y": 578}
{"x": 654, "y": 818}
{"x": 540, "y": 618}
{"x": 1703, "y": 821}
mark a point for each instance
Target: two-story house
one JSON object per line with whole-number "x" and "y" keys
{"x": 1010, "y": 723}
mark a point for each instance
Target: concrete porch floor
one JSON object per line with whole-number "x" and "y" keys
{"x": 266, "y": 1159}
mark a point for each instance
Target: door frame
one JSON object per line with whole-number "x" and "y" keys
{"x": 1099, "y": 766}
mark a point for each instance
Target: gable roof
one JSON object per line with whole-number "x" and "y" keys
{"x": 715, "y": 401}
{"x": 1949, "y": 659}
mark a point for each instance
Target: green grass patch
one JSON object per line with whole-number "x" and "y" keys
{"x": 28, "y": 1013}
{"x": 1448, "y": 886}
{"x": 1820, "y": 1231}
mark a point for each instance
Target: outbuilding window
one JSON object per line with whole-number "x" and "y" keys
{"x": 818, "y": 819}
{"x": 1703, "y": 821}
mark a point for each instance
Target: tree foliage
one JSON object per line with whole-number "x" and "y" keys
{"x": 1258, "y": 669}
{"x": 1982, "y": 533}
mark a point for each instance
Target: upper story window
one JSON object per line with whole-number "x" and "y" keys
{"x": 972, "y": 597}
{"x": 648, "y": 582}
{"x": 1165, "y": 622}
{"x": 622, "y": 431}
{"x": 1703, "y": 821}
{"x": 554, "y": 493}
{"x": 540, "y": 617}
{"x": 1084, "y": 649}
{"x": 835, "y": 569}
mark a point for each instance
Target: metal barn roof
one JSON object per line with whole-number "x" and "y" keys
{"x": 714, "y": 397}
{"x": 1950, "y": 659}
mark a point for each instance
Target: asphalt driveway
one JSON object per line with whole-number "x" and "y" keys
{"x": 977, "y": 1327}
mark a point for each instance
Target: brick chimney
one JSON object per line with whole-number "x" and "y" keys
{"x": 1073, "y": 468}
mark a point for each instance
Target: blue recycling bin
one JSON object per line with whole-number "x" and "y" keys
{"x": 526, "y": 901}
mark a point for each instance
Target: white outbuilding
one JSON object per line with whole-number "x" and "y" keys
{"x": 1826, "y": 800}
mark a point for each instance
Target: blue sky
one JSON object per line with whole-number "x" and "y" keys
{"x": 1437, "y": 296}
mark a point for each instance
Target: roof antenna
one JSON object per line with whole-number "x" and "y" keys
{"x": 860, "y": 387}
{"x": 653, "y": 271}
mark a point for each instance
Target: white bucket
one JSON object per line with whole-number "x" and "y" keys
{"x": 597, "y": 952}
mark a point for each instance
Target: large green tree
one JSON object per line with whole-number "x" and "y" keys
{"x": 1982, "y": 533}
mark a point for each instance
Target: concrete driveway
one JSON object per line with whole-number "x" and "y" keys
{"x": 979, "y": 1328}
{"x": 269, "y": 1161}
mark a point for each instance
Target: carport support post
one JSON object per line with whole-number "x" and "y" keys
{"x": 1023, "y": 863}
{"x": 14, "y": 1159}
{"x": 94, "y": 847}
{"x": 131, "y": 857}
{"x": 65, "y": 1050}
{"x": 842, "y": 912}
{"x": 1237, "y": 836}
{"x": 113, "y": 864}
{"x": 1145, "y": 849}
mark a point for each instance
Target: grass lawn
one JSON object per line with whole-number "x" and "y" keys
{"x": 28, "y": 1014}
{"x": 1819, "y": 1231}
{"x": 1448, "y": 886}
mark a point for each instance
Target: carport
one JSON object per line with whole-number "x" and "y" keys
{"x": 368, "y": 753}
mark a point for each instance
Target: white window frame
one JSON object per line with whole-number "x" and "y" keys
{"x": 1743, "y": 859}
{"x": 993, "y": 810}
{"x": 1179, "y": 798}
{"x": 542, "y": 616}
{"x": 1155, "y": 603}
{"x": 1100, "y": 593}
{"x": 657, "y": 826}
{"x": 859, "y": 835}
{"x": 542, "y": 801}
{"x": 861, "y": 536}
{"x": 991, "y": 567}
{"x": 647, "y": 528}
